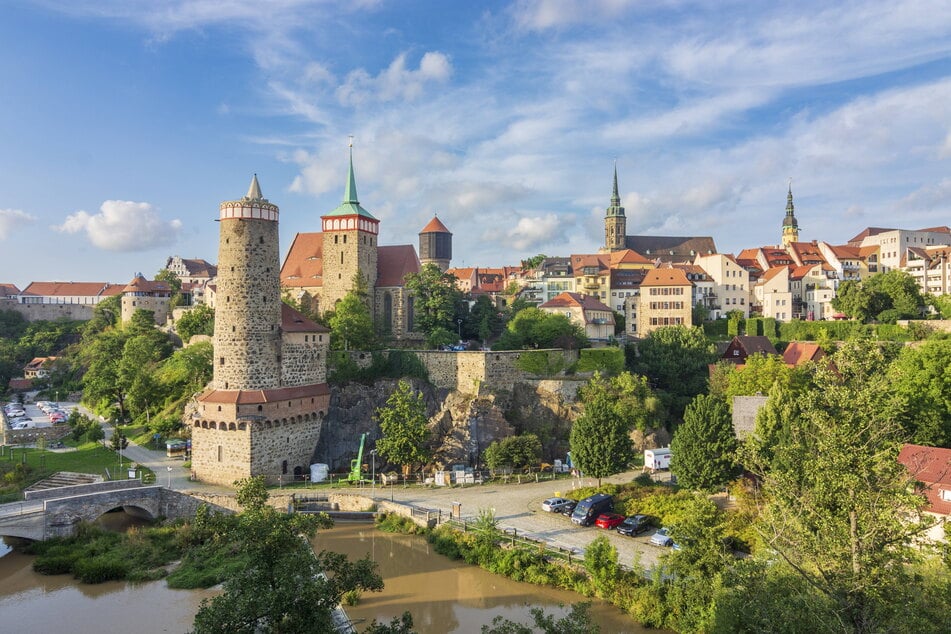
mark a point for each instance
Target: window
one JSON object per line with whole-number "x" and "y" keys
{"x": 220, "y": 453}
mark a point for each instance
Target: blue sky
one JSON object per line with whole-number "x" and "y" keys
{"x": 124, "y": 123}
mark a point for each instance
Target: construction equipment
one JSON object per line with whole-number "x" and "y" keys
{"x": 356, "y": 466}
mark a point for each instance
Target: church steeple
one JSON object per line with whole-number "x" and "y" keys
{"x": 790, "y": 224}
{"x": 350, "y": 193}
{"x": 615, "y": 223}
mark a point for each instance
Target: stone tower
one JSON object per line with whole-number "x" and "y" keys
{"x": 790, "y": 224}
{"x": 350, "y": 241}
{"x": 435, "y": 244}
{"x": 262, "y": 413}
{"x": 615, "y": 222}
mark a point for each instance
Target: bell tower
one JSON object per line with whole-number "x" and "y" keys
{"x": 790, "y": 224}
{"x": 615, "y": 222}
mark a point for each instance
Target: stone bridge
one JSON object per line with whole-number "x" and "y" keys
{"x": 57, "y": 512}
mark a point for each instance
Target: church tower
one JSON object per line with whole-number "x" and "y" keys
{"x": 435, "y": 244}
{"x": 262, "y": 412}
{"x": 350, "y": 241}
{"x": 615, "y": 223}
{"x": 790, "y": 224}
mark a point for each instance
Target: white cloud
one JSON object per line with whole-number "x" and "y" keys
{"x": 541, "y": 15}
{"x": 123, "y": 225}
{"x": 529, "y": 234}
{"x": 397, "y": 82}
{"x": 13, "y": 219}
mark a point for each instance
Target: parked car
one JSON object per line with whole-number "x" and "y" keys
{"x": 634, "y": 525}
{"x": 662, "y": 538}
{"x": 568, "y": 508}
{"x": 609, "y": 520}
{"x": 589, "y": 508}
{"x": 555, "y": 505}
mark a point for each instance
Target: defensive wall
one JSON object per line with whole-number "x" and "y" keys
{"x": 51, "y": 312}
{"x": 468, "y": 371}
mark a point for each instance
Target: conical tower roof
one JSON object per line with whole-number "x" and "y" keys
{"x": 615, "y": 209}
{"x": 254, "y": 191}
{"x": 435, "y": 226}
{"x": 350, "y": 205}
{"x": 790, "y": 219}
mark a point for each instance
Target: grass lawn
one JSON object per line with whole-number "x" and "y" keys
{"x": 88, "y": 458}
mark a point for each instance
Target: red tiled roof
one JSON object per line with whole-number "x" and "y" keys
{"x": 666, "y": 277}
{"x": 435, "y": 226}
{"x": 868, "y": 231}
{"x": 394, "y": 263}
{"x": 72, "y": 289}
{"x": 242, "y": 397}
{"x": 931, "y": 466}
{"x": 303, "y": 265}
{"x": 627, "y": 256}
{"x": 141, "y": 285}
{"x": 568, "y": 299}
{"x": 293, "y": 321}
{"x": 799, "y": 352}
{"x": 8, "y": 290}
{"x": 772, "y": 272}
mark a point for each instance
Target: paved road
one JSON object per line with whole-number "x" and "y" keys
{"x": 519, "y": 507}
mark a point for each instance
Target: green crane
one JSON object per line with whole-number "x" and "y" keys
{"x": 356, "y": 466}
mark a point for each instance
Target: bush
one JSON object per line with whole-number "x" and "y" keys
{"x": 540, "y": 363}
{"x": 395, "y": 523}
{"x": 100, "y": 569}
{"x": 608, "y": 361}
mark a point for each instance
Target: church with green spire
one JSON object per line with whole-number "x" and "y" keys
{"x": 321, "y": 267}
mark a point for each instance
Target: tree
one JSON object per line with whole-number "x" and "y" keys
{"x": 200, "y": 320}
{"x": 577, "y": 621}
{"x": 884, "y": 296}
{"x": 600, "y": 439}
{"x": 164, "y": 275}
{"x": 533, "y": 262}
{"x": 436, "y": 298}
{"x": 921, "y": 379}
{"x": 351, "y": 325}
{"x": 513, "y": 452}
{"x": 676, "y": 360}
{"x": 285, "y": 586}
{"x": 760, "y": 373}
{"x": 404, "y": 429}
{"x": 837, "y": 506}
{"x": 703, "y": 449}
{"x": 534, "y": 328}
{"x": 484, "y": 320}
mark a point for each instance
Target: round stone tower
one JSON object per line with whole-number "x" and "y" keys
{"x": 263, "y": 411}
{"x": 248, "y": 304}
{"x": 435, "y": 244}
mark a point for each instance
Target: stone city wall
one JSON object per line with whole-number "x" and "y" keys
{"x": 279, "y": 451}
{"x": 30, "y": 436}
{"x": 220, "y": 456}
{"x": 304, "y": 363}
{"x": 52, "y": 312}
{"x": 466, "y": 372}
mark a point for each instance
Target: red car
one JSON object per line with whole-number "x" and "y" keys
{"x": 608, "y": 520}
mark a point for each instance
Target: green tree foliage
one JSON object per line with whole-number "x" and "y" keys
{"x": 941, "y": 305}
{"x": 440, "y": 338}
{"x": 106, "y": 314}
{"x": 200, "y": 320}
{"x": 600, "y": 439}
{"x": 284, "y": 587}
{"x": 921, "y": 379}
{"x": 704, "y": 447}
{"x": 676, "y": 360}
{"x": 534, "y": 328}
{"x": 21, "y": 341}
{"x": 436, "y": 298}
{"x": 884, "y": 297}
{"x": 351, "y": 325}
{"x": 513, "y": 452}
{"x": 177, "y": 299}
{"x": 404, "y": 427}
{"x": 760, "y": 373}
{"x": 608, "y": 361}
{"x": 577, "y": 621}
{"x": 484, "y": 321}
{"x": 533, "y": 262}
{"x": 838, "y": 506}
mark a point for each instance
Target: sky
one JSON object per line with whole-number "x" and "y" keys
{"x": 124, "y": 123}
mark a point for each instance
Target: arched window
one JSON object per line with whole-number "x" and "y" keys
{"x": 387, "y": 312}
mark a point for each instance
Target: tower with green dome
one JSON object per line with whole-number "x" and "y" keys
{"x": 350, "y": 242}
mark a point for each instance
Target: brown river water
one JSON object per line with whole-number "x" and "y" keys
{"x": 442, "y": 595}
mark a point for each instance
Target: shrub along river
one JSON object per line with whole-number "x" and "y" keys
{"x": 442, "y": 595}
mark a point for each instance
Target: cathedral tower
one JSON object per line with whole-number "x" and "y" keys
{"x": 615, "y": 223}
{"x": 435, "y": 244}
{"x": 262, "y": 412}
{"x": 350, "y": 242}
{"x": 790, "y": 224}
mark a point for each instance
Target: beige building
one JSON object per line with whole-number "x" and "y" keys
{"x": 595, "y": 317}
{"x": 151, "y": 295}
{"x": 665, "y": 300}
{"x": 892, "y": 243}
{"x": 731, "y": 282}
{"x": 772, "y": 294}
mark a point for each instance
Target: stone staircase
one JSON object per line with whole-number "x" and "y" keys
{"x": 64, "y": 479}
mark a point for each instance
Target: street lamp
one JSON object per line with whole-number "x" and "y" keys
{"x": 459, "y": 321}
{"x": 373, "y": 468}
{"x": 169, "y": 477}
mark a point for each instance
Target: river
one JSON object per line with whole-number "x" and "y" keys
{"x": 442, "y": 595}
